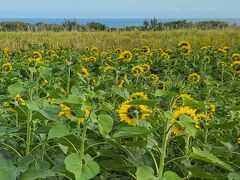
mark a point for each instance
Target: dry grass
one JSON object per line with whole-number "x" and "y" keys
{"x": 126, "y": 40}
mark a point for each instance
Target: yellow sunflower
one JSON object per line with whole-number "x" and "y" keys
{"x": 7, "y": 67}
{"x": 146, "y": 68}
{"x": 179, "y": 98}
{"x": 126, "y": 56}
{"x": 65, "y": 111}
{"x": 185, "y": 50}
{"x": 37, "y": 56}
{"x": 139, "y": 95}
{"x": 120, "y": 83}
{"x": 236, "y": 57}
{"x": 184, "y": 44}
{"x": 145, "y": 49}
{"x": 118, "y": 50}
{"x": 165, "y": 56}
{"x": 108, "y": 68}
{"x": 154, "y": 78}
{"x": 207, "y": 59}
{"x": 136, "y": 70}
{"x": 180, "y": 112}
{"x": 194, "y": 78}
{"x": 130, "y": 113}
{"x": 85, "y": 72}
{"x": 235, "y": 67}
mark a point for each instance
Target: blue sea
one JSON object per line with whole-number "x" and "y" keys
{"x": 114, "y": 22}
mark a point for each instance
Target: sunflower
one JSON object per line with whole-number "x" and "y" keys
{"x": 103, "y": 54}
{"x": 184, "y": 44}
{"x": 108, "y": 68}
{"x": 128, "y": 113}
{"x": 207, "y": 59}
{"x": 159, "y": 50}
{"x": 85, "y": 72}
{"x": 154, "y": 78}
{"x": 136, "y": 70}
{"x": 221, "y": 50}
{"x": 6, "y": 50}
{"x": 126, "y": 56}
{"x": 160, "y": 85}
{"x": 139, "y": 95}
{"x": 236, "y": 57}
{"x": 194, "y": 78}
{"x": 37, "y": 56}
{"x": 7, "y": 67}
{"x": 185, "y": 50}
{"x": 235, "y": 67}
{"x": 145, "y": 49}
{"x": 146, "y": 68}
{"x": 51, "y": 100}
{"x": 92, "y": 59}
{"x": 179, "y": 99}
{"x": 20, "y": 100}
{"x": 10, "y": 106}
{"x": 117, "y": 50}
{"x": 180, "y": 112}
{"x": 94, "y": 50}
{"x": 165, "y": 56}
{"x": 43, "y": 82}
{"x": 120, "y": 84}
{"x": 238, "y": 140}
{"x": 205, "y": 48}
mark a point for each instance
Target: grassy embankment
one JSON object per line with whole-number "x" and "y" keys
{"x": 126, "y": 40}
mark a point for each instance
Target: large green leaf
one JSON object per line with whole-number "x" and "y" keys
{"x": 132, "y": 131}
{"x": 210, "y": 158}
{"x": 16, "y": 88}
{"x": 59, "y": 130}
{"x": 74, "y": 165}
{"x": 45, "y": 72}
{"x": 7, "y": 170}
{"x": 145, "y": 173}
{"x": 187, "y": 123}
{"x": 169, "y": 175}
{"x": 105, "y": 123}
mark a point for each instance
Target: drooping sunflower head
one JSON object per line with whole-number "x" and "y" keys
{"x": 194, "y": 78}
{"x": 139, "y": 95}
{"x": 136, "y": 70}
{"x": 94, "y": 50}
{"x": 235, "y": 67}
{"x": 85, "y": 72}
{"x": 92, "y": 59}
{"x": 7, "y": 67}
{"x": 6, "y": 50}
{"x": 130, "y": 114}
{"x": 120, "y": 83}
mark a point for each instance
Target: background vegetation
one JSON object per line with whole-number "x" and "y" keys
{"x": 125, "y": 40}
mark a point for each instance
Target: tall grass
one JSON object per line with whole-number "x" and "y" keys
{"x": 125, "y": 40}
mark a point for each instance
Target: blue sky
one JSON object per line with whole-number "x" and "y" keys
{"x": 120, "y": 8}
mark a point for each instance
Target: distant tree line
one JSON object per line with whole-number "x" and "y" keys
{"x": 148, "y": 25}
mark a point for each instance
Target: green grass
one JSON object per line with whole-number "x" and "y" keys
{"x": 125, "y": 40}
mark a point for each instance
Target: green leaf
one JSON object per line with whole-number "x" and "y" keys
{"x": 38, "y": 171}
{"x": 169, "y": 115}
{"x": 7, "y": 170}
{"x": 148, "y": 102}
{"x": 74, "y": 165}
{"x": 105, "y": 123}
{"x": 233, "y": 108}
{"x": 169, "y": 175}
{"x": 210, "y": 158}
{"x": 16, "y": 88}
{"x": 194, "y": 104}
{"x": 132, "y": 131}
{"x": 50, "y": 113}
{"x": 107, "y": 106}
{"x": 145, "y": 173}
{"x": 45, "y": 72}
{"x": 234, "y": 176}
{"x": 33, "y": 106}
{"x": 187, "y": 123}
{"x": 225, "y": 125}
{"x": 58, "y": 131}
{"x": 72, "y": 99}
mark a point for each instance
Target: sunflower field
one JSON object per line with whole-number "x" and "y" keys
{"x": 145, "y": 113}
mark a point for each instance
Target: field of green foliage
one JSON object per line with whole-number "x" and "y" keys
{"x": 123, "y": 105}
